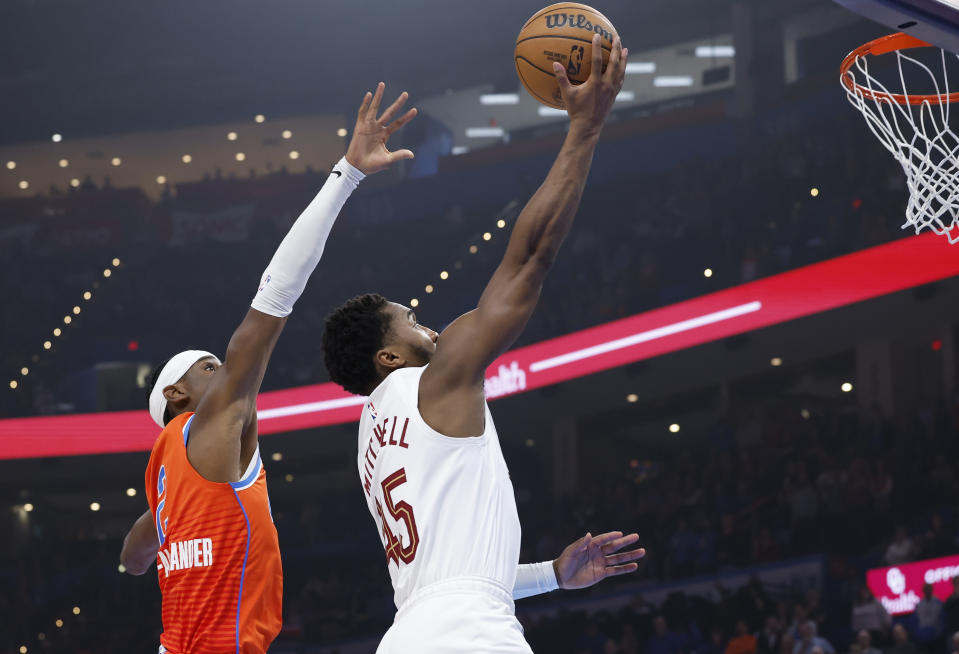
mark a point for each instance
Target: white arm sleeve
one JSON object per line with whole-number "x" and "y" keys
{"x": 285, "y": 277}
{"x": 534, "y": 579}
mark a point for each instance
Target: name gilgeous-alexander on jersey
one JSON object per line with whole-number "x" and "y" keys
{"x": 444, "y": 507}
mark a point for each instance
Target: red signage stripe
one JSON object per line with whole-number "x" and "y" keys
{"x": 812, "y": 289}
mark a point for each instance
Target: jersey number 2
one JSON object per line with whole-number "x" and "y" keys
{"x": 399, "y": 511}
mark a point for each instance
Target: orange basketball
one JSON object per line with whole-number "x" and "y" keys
{"x": 562, "y": 32}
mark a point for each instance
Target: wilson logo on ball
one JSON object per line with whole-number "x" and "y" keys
{"x": 578, "y": 21}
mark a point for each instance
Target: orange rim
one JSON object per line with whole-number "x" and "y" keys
{"x": 885, "y": 45}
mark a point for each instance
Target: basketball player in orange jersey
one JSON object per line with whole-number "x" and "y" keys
{"x": 209, "y": 528}
{"x": 428, "y": 455}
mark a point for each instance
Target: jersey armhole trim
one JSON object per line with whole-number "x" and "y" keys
{"x": 482, "y": 439}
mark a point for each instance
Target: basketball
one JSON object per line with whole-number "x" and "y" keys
{"x": 561, "y": 32}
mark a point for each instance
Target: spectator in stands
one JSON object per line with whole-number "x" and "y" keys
{"x": 951, "y": 608}
{"x": 937, "y": 541}
{"x": 900, "y": 642}
{"x": 591, "y": 641}
{"x": 628, "y": 640}
{"x": 864, "y": 641}
{"x": 869, "y": 614}
{"x": 769, "y": 640}
{"x": 929, "y": 618}
{"x": 663, "y": 641}
{"x": 800, "y": 618}
{"x": 901, "y": 549}
{"x": 742, "y": 642}
{"x": 808, "y": 640}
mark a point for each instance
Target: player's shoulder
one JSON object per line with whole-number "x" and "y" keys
{"x": 398, "y": 381}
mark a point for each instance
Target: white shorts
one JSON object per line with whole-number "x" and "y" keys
{"x": 466, "y": 615}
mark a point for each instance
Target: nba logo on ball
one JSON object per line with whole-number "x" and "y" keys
{"x": 560, "y": 33}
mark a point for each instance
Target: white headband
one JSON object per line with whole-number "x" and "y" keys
{"x": 172, "y": 372}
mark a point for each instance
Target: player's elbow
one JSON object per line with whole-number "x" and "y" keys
{"x": 131, "y": 562}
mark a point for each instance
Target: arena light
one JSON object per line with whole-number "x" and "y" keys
{"x": 47, "y": 345}
{"x": 76, "y": 610}
{"x": 121, "y": 568}
{"x": 59, "y": 623}
{"x": 640, "y": 67}
{"x": 76, "y": 310}
{"x": 625, "y": 96}
{"x": 67, "y": 320}
{"x": 414, "y": 303}
{"x": 775, "y": 362}
{"x": 499, "y": 98}
{"x": 341, "y": 132}
{"x": 459, "y": 149}
{"x": 444, "y": 275}
{"x": 814, "y": 192}
{"x": 28, "y": 507}
{"x": 131, "y": 492}
{"x": 632, "y": 398}
{"x": 187, "y": 158}
{"x": 75, "y": 183}
{"x": 277, "y": 456}
{"x": 57, "y": 331}
{"x": 674, "y": 428}
{"x": 287, "y": 134}
{"x": 846, "y": 387}
{"x": 484, "y": 132}
{"x": 23, "y": 649}
{"x": 708, "y": 272}
{"x": 161, "y": 179}
{"x": 259, "y": 118}
{"x": 116, "y": 161}
{"x": 294, "y": 154}
{"x": 107, "y": 272}
{"x": 56, "y": 138}
{"x": 501, "y": 223}
{"x": 24, "y": 371}
{"x": 546, "y": 112}
{"x": 530, "y": 442}
{"x": 231, "y": 136}
{"x": 239, "y": 156}
{"x": 288, "y": 477}
{"x": 11, "y": 165}
{"x": 24, "y": 185}
{"x": 115, "y": 262}
{"x": 487, "y": 236}
{"x": 94, "y": 506}
{"x": 804, "y": 413}
{"x": 13, "y": 384}
{"x": 473, "y": 249}
{"x": 672, "y": 81}
{"x": 63, "y": 163}
{"x": 711, "y": 51}
{"x": 429, "y": 288}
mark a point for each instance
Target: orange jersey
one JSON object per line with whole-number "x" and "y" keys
{"x": 219, "y": 559}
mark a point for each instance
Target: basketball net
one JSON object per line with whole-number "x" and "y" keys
{"x": 913, "y": 128}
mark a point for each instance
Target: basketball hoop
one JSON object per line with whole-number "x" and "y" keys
{"x": 914, "y": 128}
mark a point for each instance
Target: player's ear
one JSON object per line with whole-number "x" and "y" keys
{"x": 175, "y": 393}
{"x": 389, "y": 359}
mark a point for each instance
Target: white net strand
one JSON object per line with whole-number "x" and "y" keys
{"x": 919, "y": 138}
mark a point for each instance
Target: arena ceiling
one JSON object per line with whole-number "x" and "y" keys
{"x": 115, "y": 66}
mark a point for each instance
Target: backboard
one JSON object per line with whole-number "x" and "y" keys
{"x": 935, "y": 21}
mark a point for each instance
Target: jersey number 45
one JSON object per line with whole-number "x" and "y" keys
{"x": 401, "y": 512}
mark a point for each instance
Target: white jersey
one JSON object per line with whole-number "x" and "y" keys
{"x": 443, "y": 506}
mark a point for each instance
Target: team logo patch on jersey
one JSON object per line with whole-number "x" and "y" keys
{"x": 372, "y": 409}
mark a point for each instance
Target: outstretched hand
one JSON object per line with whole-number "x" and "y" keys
{"x": 368, "y": 151}
{"x": 589, "y": 103}
{"x": 591, "y": 559}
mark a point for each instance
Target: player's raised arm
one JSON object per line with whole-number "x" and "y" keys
{"x": 468, "y": 346}
{"x": 227, "y": 410}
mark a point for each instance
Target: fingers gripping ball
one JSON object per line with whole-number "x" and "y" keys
{"x": 562, "y": 32}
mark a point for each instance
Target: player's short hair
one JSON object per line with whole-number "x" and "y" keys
{"x": 154, "y": 377}
{"x": 354, "y": 333}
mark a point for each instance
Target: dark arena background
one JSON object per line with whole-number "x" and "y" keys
{"x": 739, "y": 354}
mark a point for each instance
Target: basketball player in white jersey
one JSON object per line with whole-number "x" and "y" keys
{"x": 429, "y": 458}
